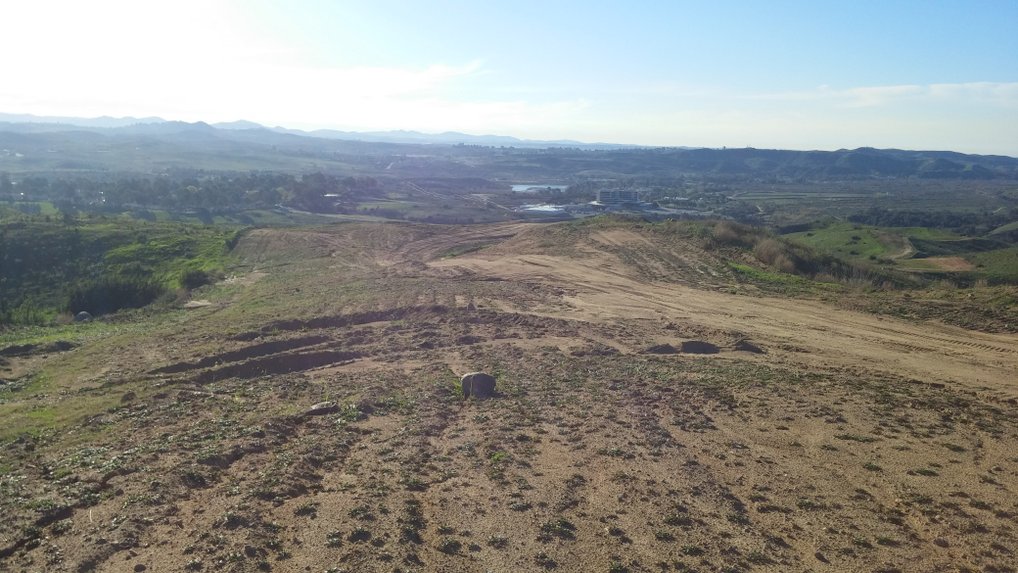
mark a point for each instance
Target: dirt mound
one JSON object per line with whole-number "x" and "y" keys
{"x": 747, "y": 346}
{"x": 281, "y": 364}
{"x": 31, "y": 349}
{"x": 253, "y": 351}
{"x": 699, "y": 347}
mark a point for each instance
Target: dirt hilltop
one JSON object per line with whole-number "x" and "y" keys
{"x": 811, "y": 437}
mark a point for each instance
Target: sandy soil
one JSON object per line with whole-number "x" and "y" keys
{"x": 805, "y": 332}
{"x": 808, "y": 438}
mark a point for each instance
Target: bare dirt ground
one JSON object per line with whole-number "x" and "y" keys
{"x": 950, "y": 263}
{"x": 799, "y": 436}
{"x": 796, "y": 331}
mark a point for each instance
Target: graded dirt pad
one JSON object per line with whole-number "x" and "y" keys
{"x": 950, "y": 263}
{"x": 814, "y": 439}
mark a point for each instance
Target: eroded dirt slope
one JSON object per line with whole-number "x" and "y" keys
{"x": 809, "y": 438}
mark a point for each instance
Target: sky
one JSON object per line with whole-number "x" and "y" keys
{"x": 810, "y": 74}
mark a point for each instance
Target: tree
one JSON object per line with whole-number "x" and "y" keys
{"x": 6, "y": 186}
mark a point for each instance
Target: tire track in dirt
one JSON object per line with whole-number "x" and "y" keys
{"x": 816, "y": 333}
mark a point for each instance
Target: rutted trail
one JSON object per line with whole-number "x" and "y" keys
{"x": 645, "y": 421}
{"x": 810, "y": 332}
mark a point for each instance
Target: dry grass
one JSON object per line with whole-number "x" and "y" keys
{"x": 824, "y": 451}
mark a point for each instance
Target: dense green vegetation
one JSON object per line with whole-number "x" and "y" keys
{"x": 968, "y": 223}
{"x": 933, "y": 251}
{"x": 101, "y": 264}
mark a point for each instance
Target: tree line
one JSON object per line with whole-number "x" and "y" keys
{"x": 210, "y": 192}
{"x": 964, "y": 222}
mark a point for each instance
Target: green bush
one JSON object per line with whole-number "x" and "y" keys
{"x": 112, "y": 294}
{"x": 195, "y": 278}
{"x": 26, "y": 313}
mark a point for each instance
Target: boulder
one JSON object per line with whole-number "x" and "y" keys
{"x": 661, "y": 349}
{"x": 478, "y": 384}
{"x": 83, "y": 317}
{"x": 321, "y": 409}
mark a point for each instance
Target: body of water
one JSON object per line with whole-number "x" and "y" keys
{"x": 542, "y": 208}
{"x": 537, "y": 187}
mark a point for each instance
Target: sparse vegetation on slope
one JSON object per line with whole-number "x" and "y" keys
{"x": 596, "y": 454}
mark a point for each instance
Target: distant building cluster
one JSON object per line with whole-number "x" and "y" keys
{"x": 607, "y": 201}
{"x": 617, "y": 196}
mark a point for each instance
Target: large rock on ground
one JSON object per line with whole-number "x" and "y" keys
{"x": 478, "y": 384}
{"x": 322, "y": 408}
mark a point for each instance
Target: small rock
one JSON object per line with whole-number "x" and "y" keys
{"x": 940, "y": 542}
{"x": 139, "y": 568}
{"x": 321, "y": 409}
{"x": 478, "y": 384}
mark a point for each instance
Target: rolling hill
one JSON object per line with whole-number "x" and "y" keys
{"x": 149, "y": 146}
{"x": 658, "y": 409}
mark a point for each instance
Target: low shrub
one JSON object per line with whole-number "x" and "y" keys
{"x": 111, "y": 294}
{"x": 195, "y": 278}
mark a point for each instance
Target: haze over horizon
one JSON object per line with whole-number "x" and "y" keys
{"x": 795, "y": 75}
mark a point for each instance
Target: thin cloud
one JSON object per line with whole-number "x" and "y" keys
{"x": 1004, "y": 94}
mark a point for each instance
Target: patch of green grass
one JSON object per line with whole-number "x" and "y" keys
{"x": 849, "y": 241}
{"x": 927, "y": 233}
{"x": 782, "y": 281}
{"x": 1012, "y": 226}
{"x": 1000, "y": 265}
{"x": 20, "y": 418}
{"x": 42, "y": 416}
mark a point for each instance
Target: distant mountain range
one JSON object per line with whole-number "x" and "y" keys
{"x": 99, "y": 122}
{"x": 145, "y": 145}
{"x": 51, "y": 123}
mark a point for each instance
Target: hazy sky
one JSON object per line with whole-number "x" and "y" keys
{"x": 803, "y": 75}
